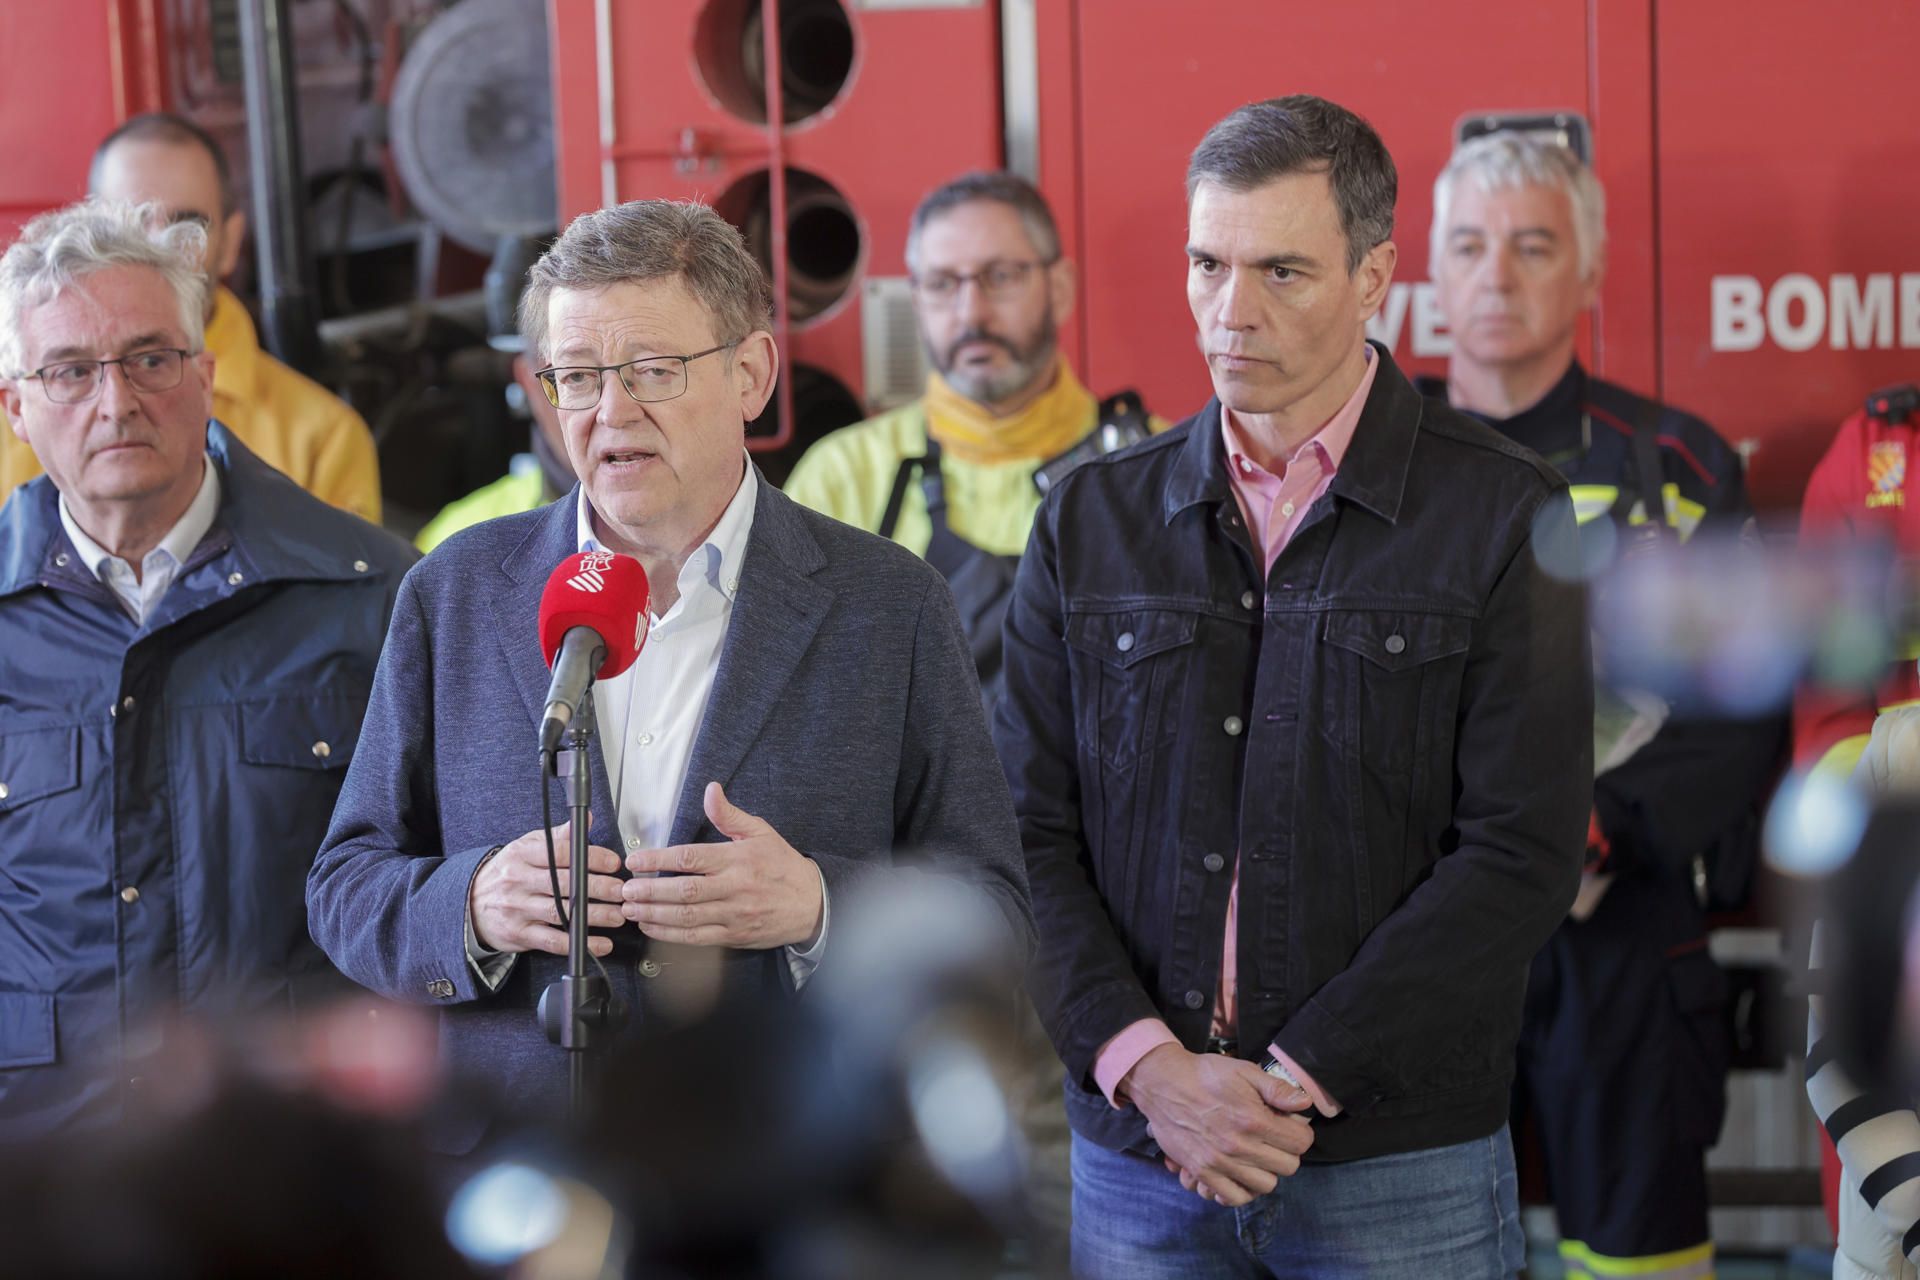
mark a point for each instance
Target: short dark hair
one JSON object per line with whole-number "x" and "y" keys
{"x": 165, "y": 126}
{"x": 1001, "y": 187}
{"x": 1300, "y": 133}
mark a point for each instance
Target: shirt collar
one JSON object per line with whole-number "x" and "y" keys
{"x": 1330, "y": 441}
{"x": 179, "y": 541}
{"x": 715, "y": 562}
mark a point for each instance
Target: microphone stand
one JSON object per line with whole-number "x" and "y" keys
{"x": 576, "y": 1010}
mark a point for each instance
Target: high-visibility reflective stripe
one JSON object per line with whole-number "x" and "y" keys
{"x": 1695, "y": 1263}
{"x": 1591, "y": 501}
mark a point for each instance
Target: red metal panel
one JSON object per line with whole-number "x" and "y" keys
{"x": 1151, "y": 84}
{"x": 904, "y": 123}
{"x": 1789, "y": 170}
{"x": 1056, "y": 37}
{"x": 68, "y": 74}
{"x": 1620, "y": 94}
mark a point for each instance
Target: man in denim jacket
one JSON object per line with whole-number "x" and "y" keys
{"x": 1299, "y": 731}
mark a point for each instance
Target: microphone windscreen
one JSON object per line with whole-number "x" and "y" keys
{"x": 601, "y": 590}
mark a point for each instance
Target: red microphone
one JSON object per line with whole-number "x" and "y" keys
{"x": 593, "y": 621}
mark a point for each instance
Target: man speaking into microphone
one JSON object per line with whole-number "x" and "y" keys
{"x": 802, "y": 720}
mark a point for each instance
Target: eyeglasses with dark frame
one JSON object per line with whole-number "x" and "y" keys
{"x": 647, "y": 380}
{"x": 1001, "y": 281}
{"x": 78, "y": 381}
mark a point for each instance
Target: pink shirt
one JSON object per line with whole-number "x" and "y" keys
{"x": 1274, "y": 505}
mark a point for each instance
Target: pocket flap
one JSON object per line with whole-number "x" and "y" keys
{"x": 1398, "y": 641}
{"x": 26, "y": 1029}
{"x": 1132, "y": 636}
{"x": 301, "y": 733}
{"x": 38, "y": 763}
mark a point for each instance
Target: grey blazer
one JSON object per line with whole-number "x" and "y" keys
{"x": 845, "y": 711}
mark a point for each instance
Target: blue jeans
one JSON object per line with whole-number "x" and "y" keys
{"x": 1451, "y": 1213}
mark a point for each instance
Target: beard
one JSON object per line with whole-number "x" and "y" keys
{"x": 1028, "y": 363}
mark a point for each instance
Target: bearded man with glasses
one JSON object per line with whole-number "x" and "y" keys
{"x": 186, "y": 644}
{"x": 956, "y": 475}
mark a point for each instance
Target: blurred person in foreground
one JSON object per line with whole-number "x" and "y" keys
{"x": 279, "y": 1150}
{"x": 187, "y": 641}
{"x": 1876, "y": 1132}
{"x": 802, "y": 721}
{"x": 289, "y": 421}
{"x": 1291, "y": 711}
{"x": 1623, "y": 1056}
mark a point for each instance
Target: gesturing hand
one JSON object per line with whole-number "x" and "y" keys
{"x": 512, "y": 896}
{"x": 1219, "y": 1120}
{"x": 755, "y": 891}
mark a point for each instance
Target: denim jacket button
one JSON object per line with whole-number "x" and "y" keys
{"x": 1396, "y": 643}
{"x": 1195, "y": 999}
{"x": 1213, "y": 862}
{"x": 1124, "y": 642}
{"x": 1233, "y": 725}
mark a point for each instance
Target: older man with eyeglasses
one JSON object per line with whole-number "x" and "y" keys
{"x": 801, "y": 725}
{"x": 186, "y": 644}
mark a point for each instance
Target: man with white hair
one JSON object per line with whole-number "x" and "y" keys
{"x": 1624, "y": 1051}
{"x": 186, "y": 644}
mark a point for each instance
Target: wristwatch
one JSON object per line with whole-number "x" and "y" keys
{"x": 1278, "y": 1070}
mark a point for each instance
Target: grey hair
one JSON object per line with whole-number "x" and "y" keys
{"x": 644, "y": 240}
{"x": 1000, "y": 187}
{"x": 56, "y": 250}
{"x": 1507, "y": 160}
{"x": 1301, "y": 133}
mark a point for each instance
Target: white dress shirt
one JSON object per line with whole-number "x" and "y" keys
{"x": 162, "y": 564}
{"x": 647, "y": 717}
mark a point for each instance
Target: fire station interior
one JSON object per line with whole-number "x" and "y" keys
{"x": 403, "y": 163}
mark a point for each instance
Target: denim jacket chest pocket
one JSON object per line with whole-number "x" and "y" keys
{"x": 1128, "y": 666}
{"x": 1392, "y": 683}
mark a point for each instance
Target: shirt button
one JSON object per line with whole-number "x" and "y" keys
{"x": 1194, "y": 999}
{"x": 649, "y": 968}
{"x": 1125, "y": 641}
{"x": 235, "y": 578}
{"x": 1213, "y": 862}
{"x": 63, "y": 559}
{"x": 126, "y": 703}
{"x": 633, "y": 842}
{"x": 1233, "y": 725}
{"x": 1396, "y": 643}
{"x": 1246, "y": 599}
{"x": 1286, "y": 508}
{"x": 359, "y": 566}
{"x": 4, "y": 793}
{"x": 645, "y": 739}
{"x": 129, "y": 895}
{"x": 321, "y": 751}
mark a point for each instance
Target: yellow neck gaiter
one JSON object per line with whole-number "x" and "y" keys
{"x": 1049, "y": 426}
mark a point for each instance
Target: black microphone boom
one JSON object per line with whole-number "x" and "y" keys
{"x": 582, "y": 652}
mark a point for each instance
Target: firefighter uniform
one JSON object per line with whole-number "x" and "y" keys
{"x": 1863, "y": 489}
{"x": 1623, "y": 1053}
